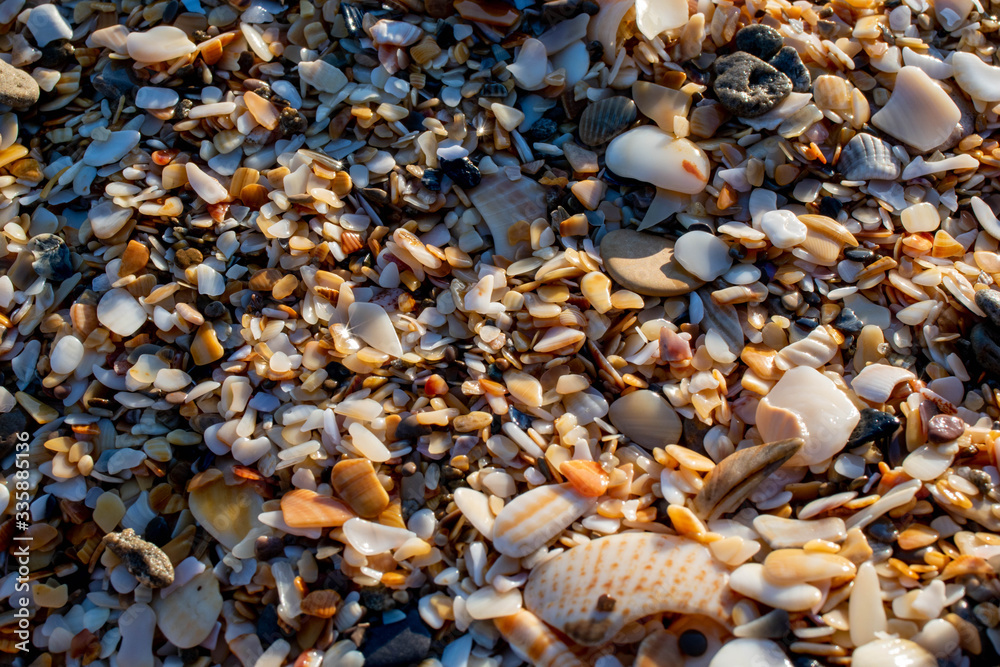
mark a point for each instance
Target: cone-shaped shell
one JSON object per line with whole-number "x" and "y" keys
{"x": 591, "y": 591}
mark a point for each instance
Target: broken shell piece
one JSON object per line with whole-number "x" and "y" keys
{"x": 919, "y": 112}
{"x": 750, "y": 652}
{"x": 530, "y": 66}
{"x": 650, "y": 155}
{"x": 536, "y": 641}
{"x": 228, "y": 513}
{"x": 652, "y": 17}
{"x": 867, "y": 158}
{"x": 187, "y": 616}
{"x": 158, "y": 44}
{"x": 502, "y": 203}
{"x": 980, "y": 80}
{"x": 876, "y": 382}
{"x": 583, "y": 593}
{"x": 806, "y": 404}
{"x": 302, "y": 508}
{"x": 533, "y": 518}
{"x": 892, "y": 652}
{"x": 735, "y": 478}
{"x": 356, "y": 482}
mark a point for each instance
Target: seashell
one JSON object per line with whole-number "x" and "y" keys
{"x": 596, "y": 287}
{"x": 791, "y": 566}
{"x": 112, "y": 149}
{"x": 531, "y": 65}
{"x": 158, "y": 44}
{"x": 813, "y": 351}
{"x": 396, "y": 33}
{"x": 523, "y": 388}
{"x": 587, "y": 477}
{"x": 534, "y": 518}
{"x": 371, "y": 539}
{"x": 120, "y": 312}
{"x": 703, "y": 255}
{"x": 739, "y": 474}
{"x": 652, "y": 17}
{"x": 302, "y": 508}
{"x": 661, "y": 104}
{"x": 503, "y": 203}
{"x": 980, "y": 80}
{"x": 919, "y": 112}
{"x": 205, "y": 186}
{"x": 355, "y": 481}
{"x": 892, "y": 652}
{"x": 187, "y": 616}
{"x": 751, "y": 652}
{"x": 536, "y": 641}
{"x": 749, "y": 580}
{"x": 876, "y": 382}
{"x": 659, "y": 649}
{"x": 646, "y": 419}
{"x": 603, "y": 26}
{"x": 605, "y": 119}
{"x": 650, "y": 155}
{"x": 868, "y": 158}
{"x": 228, "y": 513}
{"x": 370, "y": 322}
{"x": 806, "y": 404}
{"x": 583, "y": 593}
{"x": 322, "y": 603}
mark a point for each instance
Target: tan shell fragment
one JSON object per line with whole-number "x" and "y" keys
{"x": 302, "y": 508}
{"x": 228, "y": 513}
{"x": 535, "y": 517}
{"x": 186, "y": 616}
{"x": 536, "y": 641}
{"x": 355, "y": 481}
{"x": 591, "y": 591}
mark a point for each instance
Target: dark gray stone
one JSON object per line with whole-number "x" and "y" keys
{"x": 945, "y": 428}
{"x": 400, "y": 644}
{"x": 988, "y": 301}
{"x": 759, "y": 40}
{"x": 790, "y": 64}
{"x": 116, "y": 79}
{"x": 52, "y": 258}
{"x": 986, "y": 349}
{"x": 874, "y": 425}
{"x": 747, "y": 86}
{"x": 848, "y": 322}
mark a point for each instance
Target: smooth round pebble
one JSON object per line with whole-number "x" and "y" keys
{"x": 783, "y": 229}
{"x": 742, "y": 274}
{"x": 66, "y": 355}
{"x": 645, "y": 264}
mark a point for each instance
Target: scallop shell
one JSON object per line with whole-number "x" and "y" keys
{"x": 303, "y": 508}
{"x": 533, "y": 518}
{"x": 868, "y": 158}
{"x": 355, "y": 481}
{"x": 875, "y": 383}
{"x": 396, "y": 33}
{"x": 228, "y": 513}
{"x": 605, "y": 119}
{"x": 585, "y": 593}
{"x": 322, "y": 603}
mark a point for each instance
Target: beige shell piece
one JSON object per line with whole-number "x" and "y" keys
{"x": 537, "y": 516}
{"x": 591, "y": 591}
{"x": 536, "y": 641}
{"x": 186, "y": 616}
{"x": 228, "y": 513}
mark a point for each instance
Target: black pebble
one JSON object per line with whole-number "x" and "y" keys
{"x": 55, "y": 54}
{"x": 462, "y": 171}
{"x": 847, "y": 321}
{"x": 874, "y": 425}
{"x": 790, "y": 64}
{"x": 157, "y": 531}
{"x": 542, "y": 129}
{"x": 747, "y": 86}
{"x": 445, "y": 36}
{"x": 400, "y": 644}
{"x": 863, "y": 255}
{"x": 52, "y": 258}
{"x": 988, "y": 301}
{"x": 693, "y": 643}
{"x": 759, "y": 40}
{"x": 432, "y": 179}
{"x": 596, "y": 50}
{"x": 493, "y": 89}
{"x": 214, "y": 309}
{"x": 519, "y": 418}
{"x": 267, "y": 547}
{"x": 116, "y": 79}
{"x": 268, "y": 627}
{"x": 986, "y": 349}
{"x": 883, "y": 530}
{"x": 830, "y": 207}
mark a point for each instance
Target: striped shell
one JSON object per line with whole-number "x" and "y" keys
{"x": 356, "y": 482}
{"x": 868, "y": 158}
{"x": 302, "y": 508}
{"x": 605, "y": 119}
{"x": 322, "y": 603}
{"x": 536, "y": 641}
{"x": 591, "y": 591}
{"x": 535, "y": 517}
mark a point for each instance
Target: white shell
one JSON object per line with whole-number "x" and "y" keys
{"x": 537, "y": 516}
{"x": 66, "y": 355}
{"x": 892, "y": 652}
{"x": 876, "y": 382}
{"x": 703, "y": 254}
{"x": 750, "y": 652}
{"x": 159, "y": 44}
{"x": 112, "y": 149}
{"x": 650, "y": 155}
{"x": 919, "y": 112}
{"x": 654, "y": 16}
{"x": 370, "y": 322}
{"x": 120, "y": 312}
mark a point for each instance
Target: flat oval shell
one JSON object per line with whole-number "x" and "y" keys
{"x": 228, "y": 513}
{"x": 643, "y": 573}
{"x": 605, "y": 119}
{"x": 646, "y": 418}
{"x": 533, "y": 518}
{"x": 645, "y": 264}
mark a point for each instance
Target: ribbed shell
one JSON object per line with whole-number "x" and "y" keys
{"x": 641, "y": 573}
{"x": 525, "y": 632}
{"x": 605, "y": 119}
{"x": 533, "y": 518}
{"x": 868, "y": 158}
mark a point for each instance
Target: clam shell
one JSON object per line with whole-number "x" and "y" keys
{"x": 355, "y": 481}
{"x": 303, "y": 508}
{"x": 646, "y": 418}
{"x": 919, "y": 112}
{"x": 605, "y": 119}
{"x": 875, "y": 383}
{"x": 664, "y": 574}
{"x": 321, "y": 603}
{"x": 868, "y": 158}
{"x": 533, "y": 518}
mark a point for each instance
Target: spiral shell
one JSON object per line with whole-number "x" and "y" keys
{"x": 868, "y": 158}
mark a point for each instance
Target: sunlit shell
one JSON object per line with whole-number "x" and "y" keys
{"x": 357, "y": 484}
{"x": 537, "y": 516}
{"x": 738, "y": 475}
{"x": 302, "y": 508}
{"x": 321, "y": 603}
{"x": 585, "y": 593}
{"x": 228, "y": 513}
{"x": 536, "y": 641}
{"x": 587, "y": 477}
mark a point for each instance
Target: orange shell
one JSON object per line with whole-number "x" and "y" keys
{"x": 322, "y": 603}
{"x": 303, "y": 508}
{"x": 587, "y": 477}
{"x": 356, "y": 482}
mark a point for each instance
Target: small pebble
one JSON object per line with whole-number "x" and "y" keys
{"x": 747, "y": 86}
{"x": 759, "y": 40}
{"x": 17, "y": 88}
{"x": 945, "y": 428}
{"x": 144, "y": 560}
